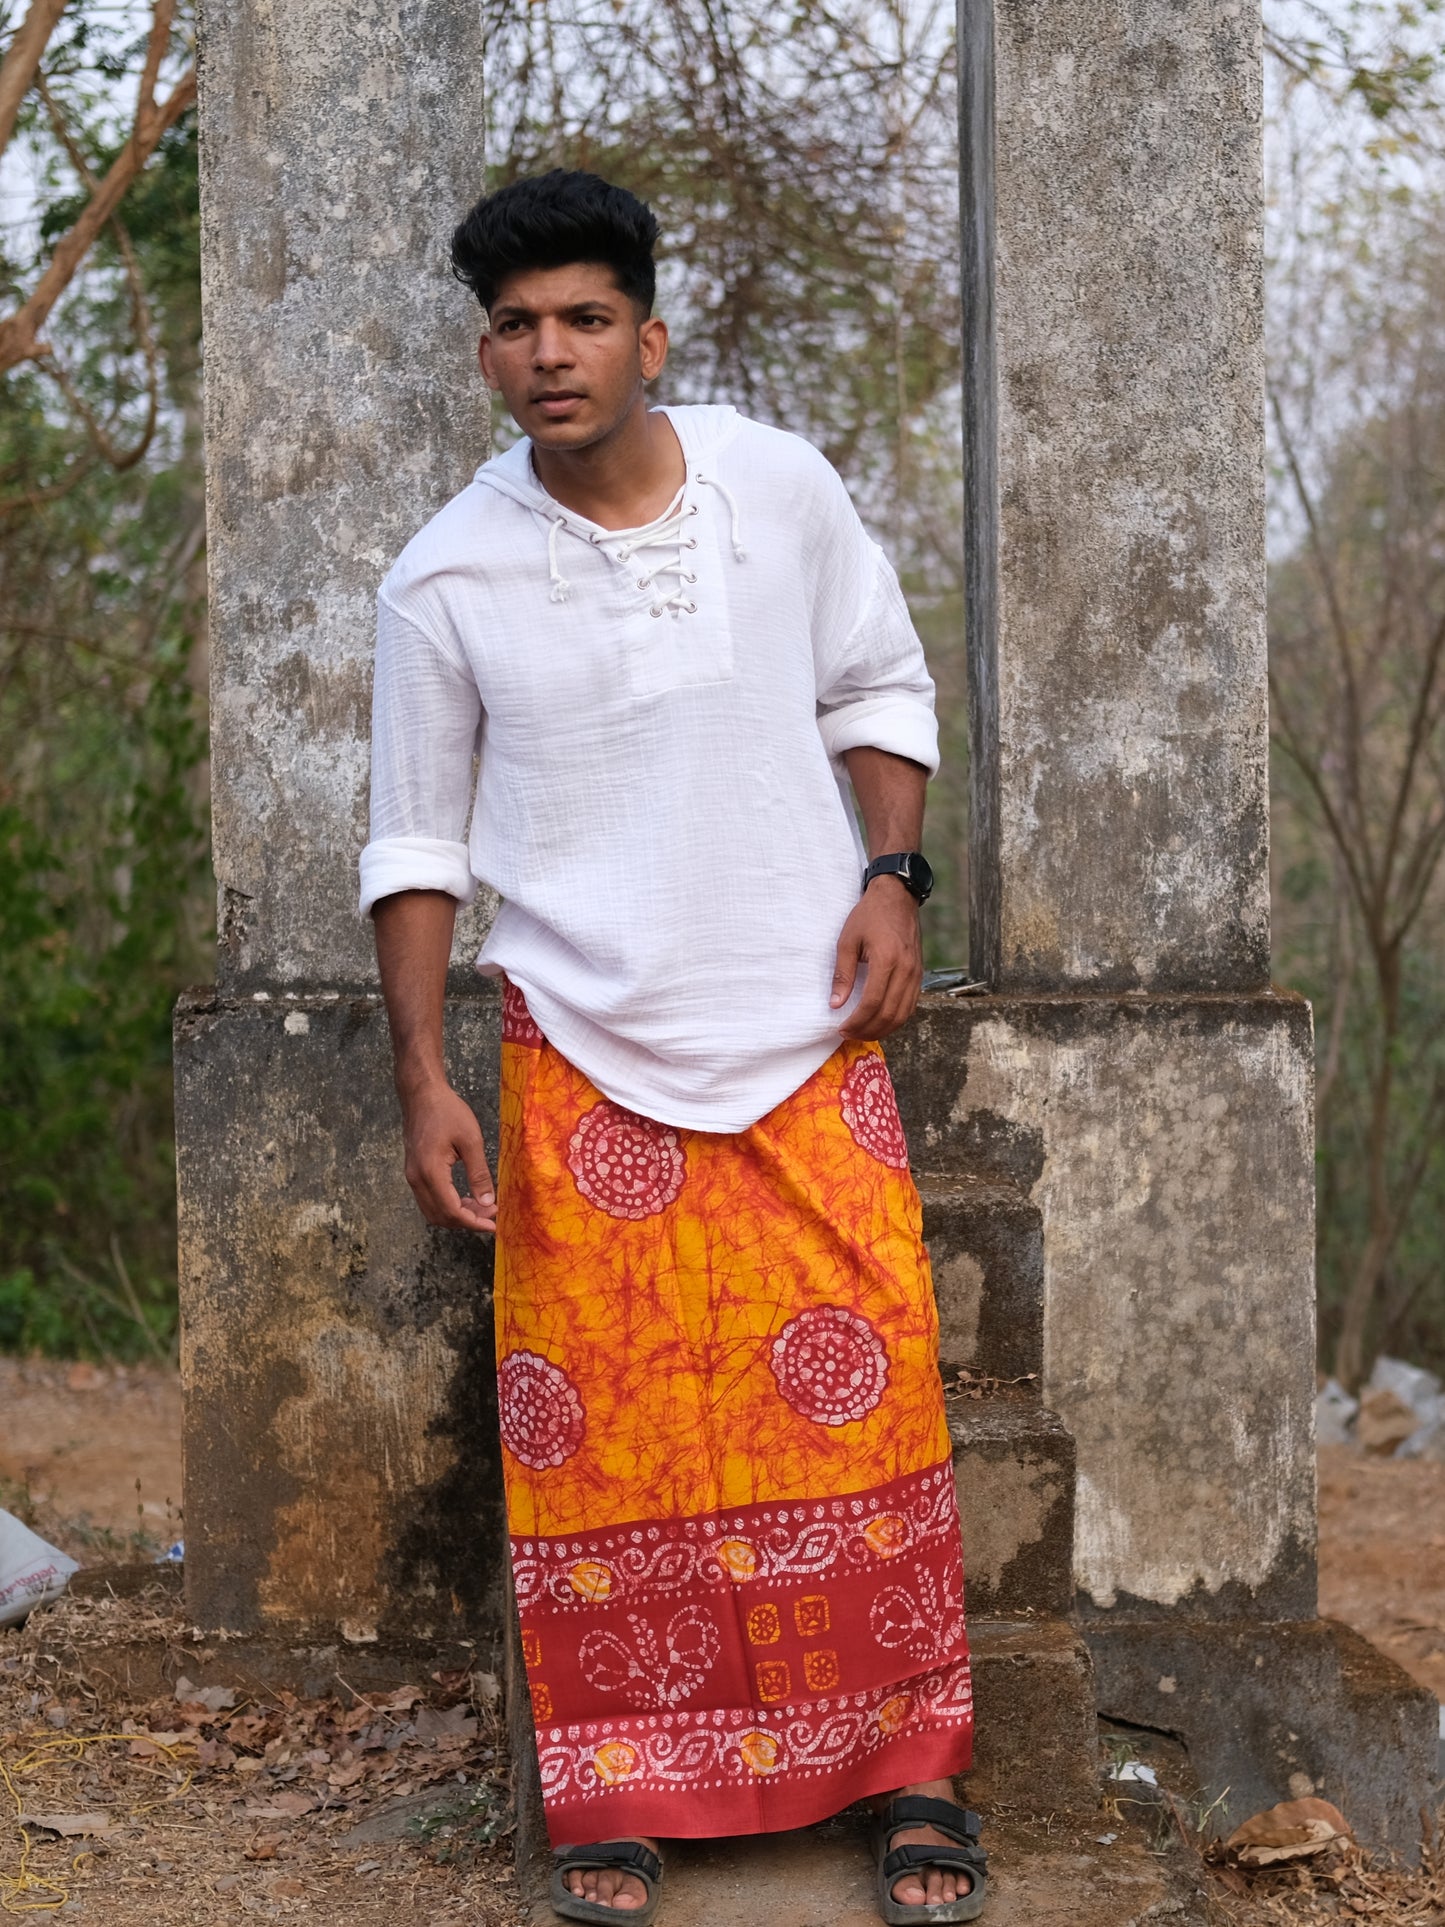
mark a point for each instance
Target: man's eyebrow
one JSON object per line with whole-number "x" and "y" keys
{"x": 514, "y": 311}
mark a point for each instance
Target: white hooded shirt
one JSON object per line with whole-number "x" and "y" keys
{"x": 660, "y": 716}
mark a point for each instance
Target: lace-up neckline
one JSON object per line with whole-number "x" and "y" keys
{"x": 655, "y": 552}
{"x": 658, "y": 551}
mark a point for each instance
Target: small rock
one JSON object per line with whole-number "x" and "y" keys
{"x": 1385, "y": 1422}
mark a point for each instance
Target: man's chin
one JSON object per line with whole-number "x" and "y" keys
{"x": 565, "y": 435}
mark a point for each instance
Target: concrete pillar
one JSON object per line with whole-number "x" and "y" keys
{"x": 1132, "y": 1071}
{"x": 1114, "y": 396}
{"x": 341, "y": 1472}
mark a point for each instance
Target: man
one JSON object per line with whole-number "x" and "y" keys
{"x": 678, "y": 655}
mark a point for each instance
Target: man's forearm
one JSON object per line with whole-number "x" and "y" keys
{"x": 413, "y": 948}
{"x": 890, "y": 791}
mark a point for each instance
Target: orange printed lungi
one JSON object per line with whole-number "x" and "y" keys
{"x": 734, "y": 1529}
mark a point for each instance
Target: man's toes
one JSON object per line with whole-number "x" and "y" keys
{"x": 910, "y": 1891}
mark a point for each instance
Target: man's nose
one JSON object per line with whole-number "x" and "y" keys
{"x": 550, "y": 349}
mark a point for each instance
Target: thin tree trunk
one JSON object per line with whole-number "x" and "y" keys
{"x": 1365, "y": 1285}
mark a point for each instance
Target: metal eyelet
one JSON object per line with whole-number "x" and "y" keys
{"x": 691, "y": 608}
{"x": 688, "y": 576}
{"x": 692, "y": 508}
{"x": 691, "y": 542}
{"x": 654, "y": 612}
{"x": 642, "y": 582}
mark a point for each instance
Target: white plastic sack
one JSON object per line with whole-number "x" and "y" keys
{"x": 1411, "y": 1384}
{"x": 1428, "y": 1441}
{"x": 1334, "y": 1414}
{"x": 31, "y": 1572}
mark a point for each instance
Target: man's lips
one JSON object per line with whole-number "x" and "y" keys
{"x": 557, "y": 403}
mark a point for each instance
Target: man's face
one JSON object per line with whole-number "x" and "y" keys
{"x": 569, "y": 353}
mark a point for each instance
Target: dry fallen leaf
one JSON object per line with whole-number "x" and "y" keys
{"x": 216, "y": 1699}
{"x": 284, "y": 1806}
{"x": 1291, "y": 1831}
{"x": 70, "y": 1826}
{"x": 454, "y": 1724}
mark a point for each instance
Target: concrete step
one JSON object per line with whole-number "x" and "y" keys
{"x": 823, "y": 1877}
{"x": 1036, "y": 1747}
{"x": 1014, "y": 1465}
{"x": 986, "y": 1243}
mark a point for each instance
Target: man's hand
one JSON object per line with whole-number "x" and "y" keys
{"x": 442, "y": 1132}
{"x": 881, "y": 931}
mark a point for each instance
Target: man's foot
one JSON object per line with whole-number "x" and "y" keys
{"x": 610, "y": 1886}
{"x": 930, "y": 1886}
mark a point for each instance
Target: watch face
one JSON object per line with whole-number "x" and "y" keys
{"x": 920, "y": 876}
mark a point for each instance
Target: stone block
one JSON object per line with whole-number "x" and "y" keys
{"x": 340, "y": 143}
{"x": 985, "y": 1242}
{"x": 1167, "y": 1143}
{"x": 341, "y": 1455}
{"x": 1014, "y": 1465}
{"x": 1113, "y": 403}
{"x": 1036, "y": 1748}
{"x": 1272, "y": 1712}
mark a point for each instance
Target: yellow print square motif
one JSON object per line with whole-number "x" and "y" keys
{"x": 811, "y": 1616}
{"x": 765, "y": 1628}
{"x": 820, "y": 1669}
{"x": 775, "y": 1682}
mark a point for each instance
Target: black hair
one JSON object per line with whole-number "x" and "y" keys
{"x": 550, "y": 221}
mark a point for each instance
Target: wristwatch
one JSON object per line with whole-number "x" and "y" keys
{"x": 910, "y": 867}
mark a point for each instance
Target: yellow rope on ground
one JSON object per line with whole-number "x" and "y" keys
{"x": 49, "y": 1896}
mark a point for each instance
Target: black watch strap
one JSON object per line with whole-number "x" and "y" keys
{"x": 909, "y": 866}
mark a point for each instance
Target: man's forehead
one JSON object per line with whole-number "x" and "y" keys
{"x": 552, "y": 290}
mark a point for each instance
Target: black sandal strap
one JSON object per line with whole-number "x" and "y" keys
{"x": 621, "y": 1856}
{"x": 900, "y": 1860}
{"x": 917, "y": 1810}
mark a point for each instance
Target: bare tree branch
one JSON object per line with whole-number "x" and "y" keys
{"x": 22, "y": 60}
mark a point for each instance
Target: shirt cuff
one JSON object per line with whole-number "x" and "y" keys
{"x": 897, "y": 724}
{"x": 396, "y": 863}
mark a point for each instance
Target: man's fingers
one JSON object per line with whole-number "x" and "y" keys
{"x": 845, "y": 971}
{"x": 875, "y": 996}
{"x": 434, "y": 1188}
{"x": 479, "y": 1179}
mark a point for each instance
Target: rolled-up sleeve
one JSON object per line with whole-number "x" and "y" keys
{"x": 426, "y": 721}
{"x": 874, "y": 689}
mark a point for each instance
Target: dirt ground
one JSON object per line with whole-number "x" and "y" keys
{"x": 195, "y": 1810}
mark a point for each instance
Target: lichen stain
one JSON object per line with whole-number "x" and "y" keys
{"x": 355, "y": 1433}
{"x": 1005, "y": 1510}
{"x": 958, "y": 1281}
{"x": 1176, "y": 1193}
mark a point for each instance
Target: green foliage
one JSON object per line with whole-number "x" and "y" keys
{"x": 104, "y": 875}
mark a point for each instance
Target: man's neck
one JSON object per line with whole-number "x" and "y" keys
{"x": 623, "y": 481}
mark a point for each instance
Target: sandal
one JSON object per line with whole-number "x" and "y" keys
{"x": 964, "y": 1856}
{"x": 620, "y": 1856}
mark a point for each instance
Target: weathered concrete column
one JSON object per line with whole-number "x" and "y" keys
{"x": 1115, "y": 383}
{"x": 341, "y": 1470}
{"x": 1132, "y": 1070}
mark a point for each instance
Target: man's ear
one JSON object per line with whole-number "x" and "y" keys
{"x": 484, "y": 356}
{"x": 652, "y": 342}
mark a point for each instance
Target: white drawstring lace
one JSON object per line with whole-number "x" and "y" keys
{"x": 665, "y": 535}
{"x": 740, "y": 554}
{"x": 561, "y": 587}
